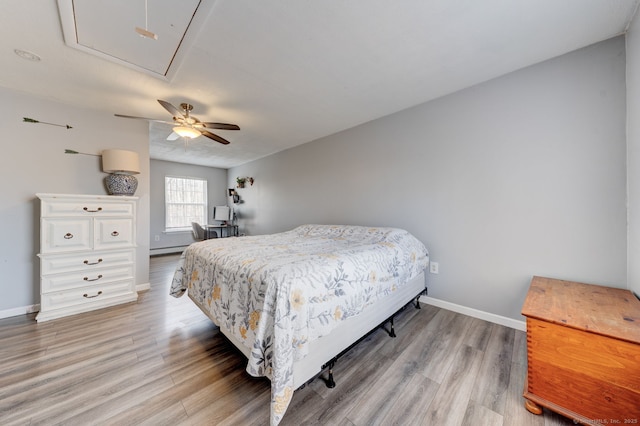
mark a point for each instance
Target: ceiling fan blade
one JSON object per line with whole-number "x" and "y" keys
{"x": 214, "y": 137}
{"x": 143, "y": 118}
{"x": 173, "y": 136}
{"x": 172, "y": 110}
{"x": 221, "y": 126}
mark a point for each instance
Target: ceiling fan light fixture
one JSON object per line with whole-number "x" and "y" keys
{"x": 188, "y": 127}
{"x": 186, "y": 132}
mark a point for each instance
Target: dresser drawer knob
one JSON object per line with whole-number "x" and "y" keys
{"x": 86, "y": 262}
{"x": 115, "y": 233}
{"x": 86, "y": 209}
{"x": 68, "y": 236}
{"x": 93, "y": 279}
{"x": 91, "y": 297}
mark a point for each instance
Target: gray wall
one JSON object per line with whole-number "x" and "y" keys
{"x": 522, "y": 175}
{"x": 217, "y": 196}
{"x": 633, "y": 155}
{"x": 33, "y": 161}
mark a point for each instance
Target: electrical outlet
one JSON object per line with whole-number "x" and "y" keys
{"x": 434, "y": 267}
{"x": 157, "y": 238}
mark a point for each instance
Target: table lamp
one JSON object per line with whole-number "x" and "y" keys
{"x": 121, "y": 166}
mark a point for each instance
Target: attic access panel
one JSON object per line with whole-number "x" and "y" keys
{"x": 107, "y": 29}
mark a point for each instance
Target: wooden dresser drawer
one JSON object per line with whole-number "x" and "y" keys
{"x": 66, "y": 235}
{"x": 86, "y": 208}
{"x": 81, "y": 279}
{"x": 113, "y": 233}
{"x": 86, "y": 298}
{"x": 61, "y": 263}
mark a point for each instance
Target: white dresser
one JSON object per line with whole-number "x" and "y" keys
{"x": 87, "y": 253}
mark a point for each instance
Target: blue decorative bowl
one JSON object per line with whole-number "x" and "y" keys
{"x": 118, "y": 184}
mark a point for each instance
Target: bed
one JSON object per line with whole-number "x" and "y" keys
{"x": 293, "y": 301}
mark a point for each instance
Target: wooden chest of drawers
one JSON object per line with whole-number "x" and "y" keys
{"x": 87, "y": 253}
{"x": 583, "y": 351}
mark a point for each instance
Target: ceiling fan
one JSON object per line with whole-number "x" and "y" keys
{"x": 186, "y": 125}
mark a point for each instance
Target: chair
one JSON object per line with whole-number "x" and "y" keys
{"x": 198, "y": 231}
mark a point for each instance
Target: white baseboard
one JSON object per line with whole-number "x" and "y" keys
{"x": 486, "y": 316}
{"x": 14, "y": 312}
{"x": 143, "y": 287}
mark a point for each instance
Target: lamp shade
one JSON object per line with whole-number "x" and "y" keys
{"x": 186, "y": 132}
{"x": 119, "y": 161}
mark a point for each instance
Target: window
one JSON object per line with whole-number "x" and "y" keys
{"x": 185, "y": 201}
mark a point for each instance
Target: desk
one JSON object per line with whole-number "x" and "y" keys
{"x": 232, "y": 230}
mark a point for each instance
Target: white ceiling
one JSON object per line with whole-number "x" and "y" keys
{"x": 290, "y": 71}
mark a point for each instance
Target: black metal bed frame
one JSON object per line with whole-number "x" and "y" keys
{"x": 329, "y": 381}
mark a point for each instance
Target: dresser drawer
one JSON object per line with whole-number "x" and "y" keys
{"x": 64, "y": 235}
{"x": 86, "y": 262}
{"x": 87, "y": 296}
{"x": 113, "y": 233}
{"x": 58, "y": 282}
{"x": 86, "y": 208}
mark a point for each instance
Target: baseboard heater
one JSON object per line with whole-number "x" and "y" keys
{"x": 167, "y": 250}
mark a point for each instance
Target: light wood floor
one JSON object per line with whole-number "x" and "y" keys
{"x": 161, "y": 361}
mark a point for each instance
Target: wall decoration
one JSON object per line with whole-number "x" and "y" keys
{"x": 234, "y": 194}
{"x": 71, "y": 151}
{"x": 242, "y": 180}
{"x": 31, "y": 120}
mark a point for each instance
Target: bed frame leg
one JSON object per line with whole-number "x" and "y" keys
{"x": 330, "y": 382}
{"x": 425, "y": 292}
{"x": 392, "y": 332}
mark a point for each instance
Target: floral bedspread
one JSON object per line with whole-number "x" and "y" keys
{"x": 276, "y": 293}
